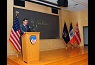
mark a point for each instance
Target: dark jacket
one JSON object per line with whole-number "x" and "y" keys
{"x": 24, "y": 29}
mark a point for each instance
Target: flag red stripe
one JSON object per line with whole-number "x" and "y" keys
{"x": 77, "y": 38}
{"x": 15, "y": 34}
{"x": 77, "y": 41}
{"x": 15, "y": 37}
{"x": 18, "y": 34}
{"x": 13, "y": 45}
{"x": 77, "y": 33}
{"x": 15, "y": 42}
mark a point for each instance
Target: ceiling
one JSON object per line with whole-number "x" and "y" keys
{"x": 74, "y": 5}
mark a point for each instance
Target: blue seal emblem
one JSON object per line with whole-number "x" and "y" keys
{"x": 33, "y": 39}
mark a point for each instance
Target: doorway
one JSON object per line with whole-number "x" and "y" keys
{"x": 85, "y": 34}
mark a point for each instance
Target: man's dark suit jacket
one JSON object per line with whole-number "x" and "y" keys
{"x": 24, "y": 29}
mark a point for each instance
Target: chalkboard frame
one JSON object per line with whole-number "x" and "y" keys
{"x": 58, "y": 33}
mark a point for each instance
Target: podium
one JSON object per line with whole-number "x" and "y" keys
{"x": 30, "y": 47}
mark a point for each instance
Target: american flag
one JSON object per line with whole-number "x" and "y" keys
{"x": 15, "y": 35}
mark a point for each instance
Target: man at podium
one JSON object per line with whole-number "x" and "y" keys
{"x": 24, "y": 28}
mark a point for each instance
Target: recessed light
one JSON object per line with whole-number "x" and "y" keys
{"x": 75, "y": 4}
{"x": 73, "y": 7}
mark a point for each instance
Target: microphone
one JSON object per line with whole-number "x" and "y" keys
{"x": 29, "y": 27}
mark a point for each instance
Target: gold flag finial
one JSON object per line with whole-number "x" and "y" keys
{"x": 17, "y": 13}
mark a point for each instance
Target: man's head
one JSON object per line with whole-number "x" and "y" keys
{"x": 25, "y": 21}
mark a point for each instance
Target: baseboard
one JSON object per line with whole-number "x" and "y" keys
{"x": 85, "y": 44}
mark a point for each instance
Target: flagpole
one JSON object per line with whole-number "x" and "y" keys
{"x": 72, "y": 46}
{"x": 66, "y": 46}
{"x": 78, "y": 46}
{"x": 17, "y": 17}
{"x": 17, "y": 13}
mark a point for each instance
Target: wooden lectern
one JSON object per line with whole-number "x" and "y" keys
{"x": 30, "y": 51}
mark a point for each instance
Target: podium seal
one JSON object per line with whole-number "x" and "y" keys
{"x": 33, "y": 39}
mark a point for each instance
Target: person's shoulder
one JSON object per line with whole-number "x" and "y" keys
{"x": 27, "y": 25}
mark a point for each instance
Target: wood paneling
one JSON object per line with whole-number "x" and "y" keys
{"x": 37, "y": 7}
{"x": 65, "y": 18}
{"x": 82, "y": 21}
{"x": 10, "y": 49}
{"x": 50, "y": 44}
{"x": 81, "y": 17}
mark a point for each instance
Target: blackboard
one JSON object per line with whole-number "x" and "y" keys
{"x": 46, "y": 24}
